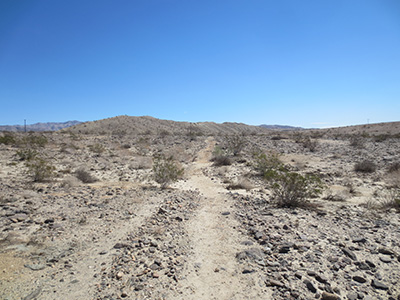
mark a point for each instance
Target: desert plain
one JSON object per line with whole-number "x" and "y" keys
{"x": 97, "y": 223}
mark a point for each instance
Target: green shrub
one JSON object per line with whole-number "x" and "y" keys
{"x": 40, "y": 170}
{"x": 291, "y": 189}
{"x": 34, "y": 141}
{"x": 357, "y": 142}
{"x": 27, "y": 154}
{"x": 8, "y": 139}
{"x": 166, "y": 170}
{"x": 263, "y": 163}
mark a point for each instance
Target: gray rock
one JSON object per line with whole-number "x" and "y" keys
{"x": 329, "y": 296}
{"x": 379, "y": 285}
{"x": 352, "y": 296}
{"x": 321, "y": 278}
{"x": 35, "y": 267}
{"x": 385, "y": 259}
{"x": 349, "y": 253}
{"x": 310, "y": 286}
{"x": 359, "y": 279}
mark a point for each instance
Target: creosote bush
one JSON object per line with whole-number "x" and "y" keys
{"x": 291, "y": 189}
{"x": 365, "y": 166}
{"x": 26, "y": 154}
{"x": 7, "y": 139}
{"x": 40, "y": 170}
{"x": 263, "y": 162}
{"x": 166, "y": 170}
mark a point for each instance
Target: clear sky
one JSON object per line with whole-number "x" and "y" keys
{"x": 308, "y": 63}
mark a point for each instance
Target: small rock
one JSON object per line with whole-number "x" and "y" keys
{"x": 385, "y": 259}
{"x": 329, "y": 296}
{"x": 310, "y": 286}
{"x": 379, "y": 285}
{"x": 273, "y": 282}
{"x": 385, "y": 251}
{"x": 359, "y": 279}
{"x": 35, "y": 267}
{"x": 349, "y": 253}
{"x": 352, "y": 296}
{"x": 321, "y": 278}
{"x": 225, "y": 213}
{"x": 247, "y": 271}
{"x": 119, "y": 275}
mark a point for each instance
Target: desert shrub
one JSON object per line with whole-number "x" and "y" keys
{"x": 235, "y": 143}
{"x": 40, "y": 170}
{"x": 166, "y": 170}
{"x": 8, "y": 139}
{"x": 310, "y": 144}
{"x": 357, "y": 142}
{"x": 26, "y": 154}
{"x": 34, "y": 141}
{"x": 385, "y": 200}
{"x": 262, "y": 162}
{"x": 242, "y": 183}
{"x": 97, "y": 148}
{"x": 84, "y": 176}
{"x": 220, "y": 157}
{"x": 395, "y": 167}
{"x": 365, "y": 166}
{"x": 291, "y": 189}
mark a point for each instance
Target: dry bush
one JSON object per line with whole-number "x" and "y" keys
{"x": 393, "y": 179}
{"x": 241, "y": 184}
{"x": 69, "y": 182}
{"x": 141, "y": 163}
{"x": 310, "y": 144}
{"x": 235, "y": 143}
{"x": 365, "y": 166}
{"x": 220, "y": 157}
{"x": 85, "y": 176}
{"x": 357, "y": 142}
{"x": 385, "y": 200}
{"x": 395, "y": 167}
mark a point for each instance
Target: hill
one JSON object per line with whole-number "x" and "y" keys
{"x": 150, "y": 125}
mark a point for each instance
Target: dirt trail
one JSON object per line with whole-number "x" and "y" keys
{"x": 87, "y": 261}
{"x": 213, "y": 271}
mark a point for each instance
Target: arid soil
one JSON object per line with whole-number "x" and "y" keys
{"x": 216, "y": 233}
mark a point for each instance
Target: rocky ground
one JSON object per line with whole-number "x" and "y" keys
{"x": 214, "y": 234}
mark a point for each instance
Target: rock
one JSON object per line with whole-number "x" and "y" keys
{"x": 359, "y": 279}
{"x": 35, "y": 267}
{"x": 370, "y": 264}
{"x": 120, "y": 246}
{"x": 352, "y": 296}
{"x": 247, "y": 271}
{"x": 359, "y": 240}
{"x": 349, "y": 253}
{"x": 379, "y": 285}
{"x": 258, "y": 235}
{"x": 33, "y": 295}
{"x": 329, "y": 296}
{"x": 225, "y": 213}
{"x": 310, "y": 286}
{"x": 119, "y": 275}
{"x": 385, "y": 259}
{"x": 273, "y": 282}
{"x": 385, "y": 251}
{"x": 321, "y": 278}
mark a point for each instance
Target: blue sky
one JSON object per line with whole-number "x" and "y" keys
{"x": 302, "y": 63}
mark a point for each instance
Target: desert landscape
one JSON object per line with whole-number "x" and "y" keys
{"x": 142, "y": 208}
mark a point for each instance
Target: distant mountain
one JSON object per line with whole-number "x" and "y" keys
{"x": 280, "y": 127}
{"x": 51, "y": 126}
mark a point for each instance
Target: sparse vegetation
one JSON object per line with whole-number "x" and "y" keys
{"x": 40, "y": 170}
{"x": 291, "y": 189}
{"x": 26, "y": 154}
{"x": 220, "y": 157}
{"x": 235, "y": 143}
{"x": 166, "y": 170}
{"x": 365, "y": 166}
{"x": 7, "y": 139}
{"x": 357, "y": 142}
{"x": 97, "y": 148}
{"x": 85, "y": 176}
{"x": 263, "y": 163}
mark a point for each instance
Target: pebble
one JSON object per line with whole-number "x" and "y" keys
{"x": 379, "y": 285}
{"x": 329, "y": 296}
{"x": 310, "y": 286}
